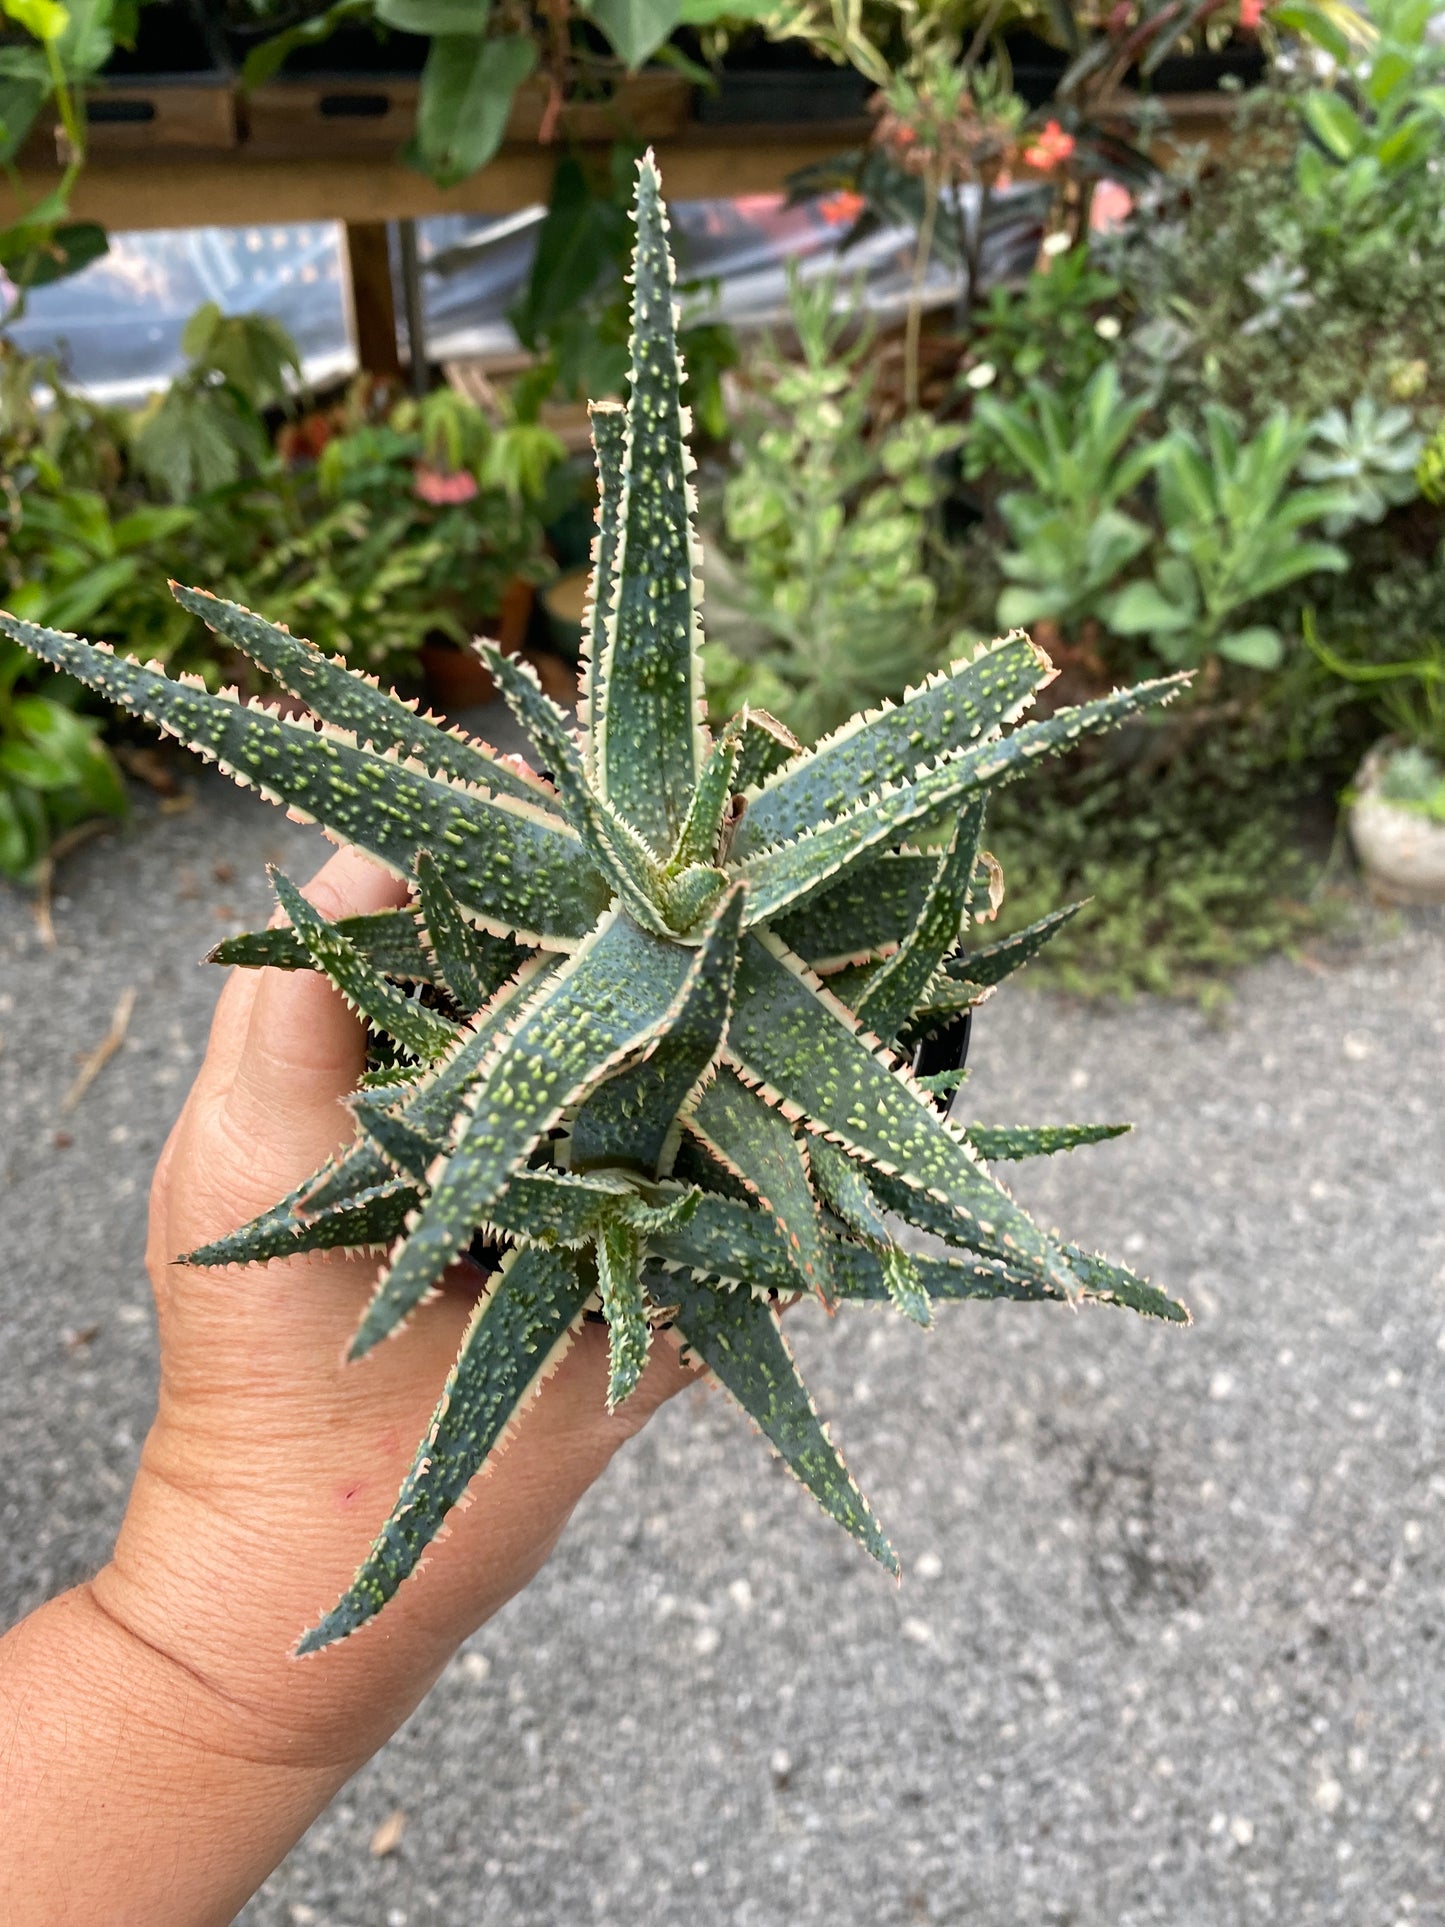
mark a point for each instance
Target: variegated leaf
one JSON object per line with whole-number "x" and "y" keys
{"x": 516, "y": 867}
{"x": 424, "y": 1032}
{"x": 900, "y": 985}
{"x": 875, "y": 750}
{"x": 516, "y": 1338}
{"x": 739, "y": 1339}
{"x": 806, "y": 1052}
{"x": 368, "y": 1220}
{"x": 619, "y": 1285}
{"x": 1041, "y": 1141}
{"x": 650, "y": 739}
{"x": 992, "y": 962}
{"x": 356, "y": 702}
{"x": 632, "y": 1116}
{"x": 758, "y": 1147}
{"x": 612, "y": 997}
{"x": 609, "y": 446}
{"x": 614, "y": 847}
{"x": 783, "y": 875}
{"x": 862, "y": 914}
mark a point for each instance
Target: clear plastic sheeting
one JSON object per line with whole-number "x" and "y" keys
{"x": 116, "y": 327}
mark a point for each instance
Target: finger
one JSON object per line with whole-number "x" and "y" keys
{"x": 302, "y": 1049}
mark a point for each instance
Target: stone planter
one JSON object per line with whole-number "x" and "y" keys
{"x": 1401, "y": 851}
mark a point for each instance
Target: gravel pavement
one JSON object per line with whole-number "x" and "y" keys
{"x": 1170, "y": 1647}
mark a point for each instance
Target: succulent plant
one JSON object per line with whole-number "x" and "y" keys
{"x": 641, "y": 1040}
{"x": 1369, "y": 456}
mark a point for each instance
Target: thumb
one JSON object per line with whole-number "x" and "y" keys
{"x": 303, "y": 1050}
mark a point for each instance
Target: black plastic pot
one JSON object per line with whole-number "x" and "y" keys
{"x": 785, "y": 85}
{"x": 945, "y": 1050}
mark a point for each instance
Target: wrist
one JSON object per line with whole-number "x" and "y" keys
{"x": 135, "y": 1793}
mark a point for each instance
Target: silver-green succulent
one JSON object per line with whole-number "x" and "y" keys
{"x": 643, "y": 1032}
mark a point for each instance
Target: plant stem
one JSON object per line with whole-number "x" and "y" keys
{"x": 921, "y": 258}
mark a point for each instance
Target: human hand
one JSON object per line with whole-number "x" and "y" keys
{"x": 160, "y": 1749}
{"x": 272, "y": 1462}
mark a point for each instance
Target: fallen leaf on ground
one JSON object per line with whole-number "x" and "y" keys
{"x": 95, "y": 1061}
{"x": 387, "y": 1837}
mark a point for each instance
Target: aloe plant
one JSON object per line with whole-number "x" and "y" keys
{"x": 642, "y": 1036}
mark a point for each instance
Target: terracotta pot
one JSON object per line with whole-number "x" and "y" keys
{"x": 457, "y": 678}
{"x": 1401, "y": 851}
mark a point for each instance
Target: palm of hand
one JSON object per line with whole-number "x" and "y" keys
{"x": 272, "y": 1461}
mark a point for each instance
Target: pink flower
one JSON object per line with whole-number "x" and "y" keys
{"x": 1050, "y": 150}
{"x": 1250, "y": 12}
{"x": 441, "y": 487}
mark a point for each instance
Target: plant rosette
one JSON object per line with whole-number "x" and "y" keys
{"x": 1397, "y": 824}
{"x": 674, "y": 989}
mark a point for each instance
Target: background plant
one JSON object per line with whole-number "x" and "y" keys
{"x": 832, "y": 528}
{"x": 1234, "y": 534}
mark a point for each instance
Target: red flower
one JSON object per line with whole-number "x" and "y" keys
{"x": 841, "y": 209}
{"x": 441, "y": 487}
{"x": 1050, "y": 150}
{"x": 1249, "y": 15}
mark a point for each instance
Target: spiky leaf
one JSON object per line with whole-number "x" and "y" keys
{"x": 739, "y": 1339}
{"x": 783, "y": 875}
{"x": 650, "y": 737}
{"x": 609, "y": 446}
{"x": 423, "y": 1032}
{"x": 756, "y": 1145}
{"x": 992, "y": 962}
{"x": 613, "y": 846}
{"x": 1041, "y": 1141}
{"x": 356, "y": 703}
{"x": 958, "y": 707}
{"x": 513, "y": 865}
{"x": 516, "y": 1337}
{"x": 901, "y": 985}
{"x": 612, "y": 997}
{"x": 619, "y": 1283}
{"x": 805, "y": 1050}
{"x": 632, "y": 1117}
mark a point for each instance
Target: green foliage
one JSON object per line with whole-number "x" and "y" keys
{"x": 645, "y": 1008}
{"x": 1055, "y": 326}
{"x": 1413, "y": 779}
{"x": 206, "y": 429}
{"x": 1369, "y": 456}
{"x": 1406, "y": 692}
{"x": 1192, "y": 866}
{"x": 54, "y": 771}
{"x": 410, "y": 525}
{"x": 1430, "y": 469}
{"x": 832, "y": 531}
{"x": 1376, "y": 134}
{"x": 1072, "y": 540}
{"x": 62, "y": 48}
{"x": 1287, "y": 274}
{"x": 1233, "y": 533}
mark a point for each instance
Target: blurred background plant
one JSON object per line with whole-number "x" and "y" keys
{"x": 829, "y": 542}
{"x": 1203, "y": 429}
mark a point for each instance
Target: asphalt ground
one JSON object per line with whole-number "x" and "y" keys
{"x": 1169, "y": 1644}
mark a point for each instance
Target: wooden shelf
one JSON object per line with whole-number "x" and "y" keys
{"x": 237, "y": 189}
